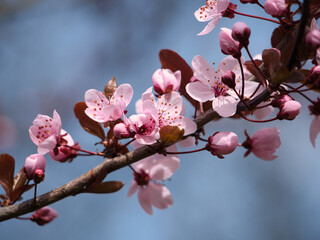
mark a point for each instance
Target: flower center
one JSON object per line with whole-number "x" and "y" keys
{"x": 141, "y": 178}
{"x": 219, "y": 89}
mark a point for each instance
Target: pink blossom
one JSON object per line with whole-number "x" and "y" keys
{"x": 168, "y": 110}
{"x": 45, "y": 132}
{"x": 64, "y": 153}
{"x": 165, "y": 81}
{"x": 228, "y": 45}
{"x": 210, "y": 87}
{"x": 34, "y": 167}
{"x": 222, "y": 143}
{"x": 314, "y": 130}
{"x": 121, "y": 130}
{"x": 289, "y": 110}
{"x": 314, "y": 77}
{"x": 147, "y": 172}
{"x": 263, "y": 143}
{"x": 241, "y": 33}
{"x": 275, "y": 8}
{"x": 144, "y": 126}
{"x": 313, "y": 36}
{"x": 212, "y": 11}
{"x": 102, "y": 109}
{"x": 44, "y": 215}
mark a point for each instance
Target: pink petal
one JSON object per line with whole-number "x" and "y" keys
{"x": 199, "y": 91}
{"x": 150, "y": 107}
{"x": 222, "y": 5}
{"x": 139, "y": 108}
{"x": 93, "y": 96}
{"x": 225, "y": 106}
{"x": 203, "y": 71}
{"x": 262, "y": 113}
{"x": 164, "y": 168}
{"x": 144, "y": 200}
{"x": 145, "y": 140}
{"x": 185, "y": 123}
{"x": 314, "y": 130}
{"x": 205, "y": 13}
{"x": 124, "y": 92}
{"x": 133, "y": 188}
{"x": 265, "y": 154}
{"x": 210, "y": 26}
{"x": 160, "y": 196}
{"x": 188, "y": 142}
{"x": 47, "y": 145}
{"x": 56, "y": 122}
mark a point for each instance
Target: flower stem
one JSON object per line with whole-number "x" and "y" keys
{"x": 253, "y": 16}
{"x": 258, "y": 121}
{"x": 186, "y": 152}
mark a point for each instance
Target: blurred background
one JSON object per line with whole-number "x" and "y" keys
{"x": 52, "y": 52}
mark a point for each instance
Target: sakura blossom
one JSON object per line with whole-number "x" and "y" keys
{"x": 165, "y": 81}
{"x": 44, "y": 215}
{"x": 275, "y": 7}
{"x": 210, "y": 87}
{"x": 263, "y": 143}
{"x": 103, "y": 108}
{"x": 212, "y": 11}
{"x": 45, "y": 132}
{"x": 168, "y": 110}
{"x": 146, "y": 174}
{"x": 289, "y": 110}
{"x": 228, "y": 45}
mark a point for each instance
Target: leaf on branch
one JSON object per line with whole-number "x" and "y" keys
{"x": 105, "y": 187}
{"x": 87, "y": 123}
{"x": 252, "y": 69}
{"x": 170, "y": 134}
{"x": 110, "y": 88}
{"x": 19, "y": 185}
{"x": 7, "y": 163}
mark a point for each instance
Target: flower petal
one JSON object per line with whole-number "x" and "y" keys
{"x": 47, "y": 145}
{"x": 144, "y": 200}
{"x": 199, "y": 91}
{"x": 160, "y": 196}
{"x": 225, "y": 106}
{"x": 133, "y": 188}
{"x": 164, "y": 168}
{"x": 314, "y": 130}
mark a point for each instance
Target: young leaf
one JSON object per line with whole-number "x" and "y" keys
{"x": 170, "y": 134}
{"x": 110, "y": 87}
{"x": 6, "y": 173}
{"x": 87, "y": 123}
{"x": 106, "y": 187}
{"x": 19, "y": 185}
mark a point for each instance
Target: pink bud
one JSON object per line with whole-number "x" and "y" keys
{"x": 263, "y": 143}
{"x": 279, "y": 101}
{"x": 241, "y": 32}
{"x": 228, "y": 78}
{"x": 165, "y": 81}
{"x": 275, "y": 8}
{"x": 222, "y": 143}
{"x": 289, "y": 110}
{"x": 314, "y": 77}
{"x": 44, "y": 215}
{"x": 228, "y": 45}
{"x": 35, "y": 162}
{"x": 121, "y": 131}
{"x": 313, "y": 39}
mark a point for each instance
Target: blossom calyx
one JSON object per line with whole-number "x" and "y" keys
{"x": 241, "y": 32}
{"x": 222, "y": 143}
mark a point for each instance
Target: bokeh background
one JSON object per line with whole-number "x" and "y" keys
{"x": 51, "y": 52}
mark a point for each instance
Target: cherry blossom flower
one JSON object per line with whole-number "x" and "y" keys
{"x": 275, "y": 8}
{"x": 45, "y": 132}
{"x": 168, "y": 110}
{"x": 241, "y": 32}
{"x": 289, "y": 110}
{"x": 102, "y": 109}
{"x": 44, "y": 215}
{"x": 34, "y": 167}
{"x": 65, "y": 153}
{"x": 209, "y": 86}
{"x": 147, "y": 172}
{"x": 222, "y": 143}
{"x": 165, "y": 81}
{"x": 228, "y": 45}
{"x": 263, "y": 143}
{"x": 212, "y": 11}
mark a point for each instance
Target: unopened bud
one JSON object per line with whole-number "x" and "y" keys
{"x": 34, "y": 166}
{"x": 228, "y": 45}
{"x": 314, "y": 77}
{"x": 241, "y": 32}
{"x": 289, "y": 110}
{"x": 222, "y": 143}
{"x": 279, "y": 101}
{"x": 44, "y": 215}
{"x": 121, "y": 131}
{"x": 228, "y": 78}
{"x": 275, "y": 8}
{"x": 38, "y": 176}
{"x": 313, "y": 39}
{"x": 165, "y": 81}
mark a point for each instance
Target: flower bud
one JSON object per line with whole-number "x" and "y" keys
{"x": 289, "y": 110}
{"x": 241, "y": 32}
{"x": 222, "y": 143}
{"x": 34, "y": 167}
{"x": 275, "y": 8}
{"x": 228, "y": 78}
{"x": 44, "y": 215}
{"x": 121, "y": 131}
{"x": 314, "y": 77}
{"x": 279, "y": 101}
{"x": 313, "y": 39}
{"x": 228, "y": 45}
{"x": 165, "y": 81}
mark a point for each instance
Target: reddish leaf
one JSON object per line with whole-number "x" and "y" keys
{"x": 19, "y": 185}
{"x": 110, "y": 87}
{"x": 106, "y": 187}
{"x": 87, "y": 123}
{"x": 6, "y": 173}
{"x": 170, "y": 134}
{"x": 252, "y": 68}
